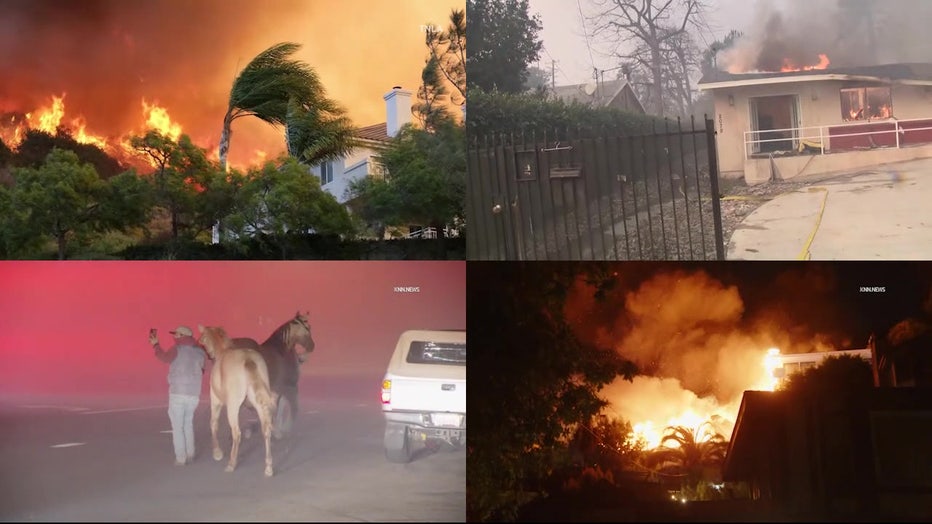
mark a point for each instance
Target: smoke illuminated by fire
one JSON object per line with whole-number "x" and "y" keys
{"x": 696, "y": 352}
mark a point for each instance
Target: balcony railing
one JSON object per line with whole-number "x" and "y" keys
{"x": 880, "y": 133}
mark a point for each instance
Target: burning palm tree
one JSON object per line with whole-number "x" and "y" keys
{"x": 691, "y": 454}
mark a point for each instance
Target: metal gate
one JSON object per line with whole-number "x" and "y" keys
{"x": 596, "y": 196}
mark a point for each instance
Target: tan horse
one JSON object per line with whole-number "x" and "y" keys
{"x": 237, "y": 374}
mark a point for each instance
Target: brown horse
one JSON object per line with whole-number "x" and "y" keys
{"x": 284, "y": 362}
{"x": 236, "y": 375}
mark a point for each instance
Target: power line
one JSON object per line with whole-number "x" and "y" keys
{"x": 553, "y": 62}
{"x": 586, "y": 36}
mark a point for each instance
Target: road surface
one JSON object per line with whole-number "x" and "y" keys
{"x": 112, "y": 460}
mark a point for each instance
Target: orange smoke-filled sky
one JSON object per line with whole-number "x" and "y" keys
{"x": 81, "y": 328}
{"x": 109, "y": 55}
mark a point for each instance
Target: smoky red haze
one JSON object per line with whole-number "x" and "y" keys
{"x": 109, "y": 55}
{"x": 81, "y": 328}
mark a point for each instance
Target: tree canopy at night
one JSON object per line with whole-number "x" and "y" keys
{"x": 615, "y": 388}
{"x": 538, "y": 380}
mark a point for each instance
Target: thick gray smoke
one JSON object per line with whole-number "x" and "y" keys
{"x": 793, "y": 33}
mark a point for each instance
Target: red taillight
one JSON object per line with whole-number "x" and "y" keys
{"x": 386, "y": 391}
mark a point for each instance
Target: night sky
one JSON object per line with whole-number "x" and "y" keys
{"x": 824, "y": 297}
{"x": 75, "y": 328}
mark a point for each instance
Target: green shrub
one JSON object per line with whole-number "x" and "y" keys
{"x": 494, "y": 114}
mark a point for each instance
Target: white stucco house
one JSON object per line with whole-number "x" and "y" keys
{"x": 335, "y": 176}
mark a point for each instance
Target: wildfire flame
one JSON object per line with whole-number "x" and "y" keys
{"x": 771, "y": 363}
{"x": 651, "y": 435}
{"x": 13, "y": 127}
{"x": 157, "y": 118}
{"x": 720, "y": 418}
{"x": 49, "y": 119}
{"x": 789, "y": 66}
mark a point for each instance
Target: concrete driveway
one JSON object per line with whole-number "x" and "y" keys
{"x": 879, "y": 214}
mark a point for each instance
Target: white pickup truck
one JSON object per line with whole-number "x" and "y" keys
{"x": 424, "y": 393}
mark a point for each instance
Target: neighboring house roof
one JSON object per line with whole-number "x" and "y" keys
{"x": 906, "y": 73}
{"x": 593, "y": 95}
{"x": 757, "y": 416}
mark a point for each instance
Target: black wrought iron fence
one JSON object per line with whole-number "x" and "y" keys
{"x": 584, "y": 195}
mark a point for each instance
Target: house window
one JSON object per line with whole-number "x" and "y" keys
{"x": 378, "y": 170}
{"x": 326, "y": 173}
{"x": 863, "y": 103}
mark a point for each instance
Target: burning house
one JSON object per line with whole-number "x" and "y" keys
{"x": 822, "y": 87}
{"x": 817, "y": 118}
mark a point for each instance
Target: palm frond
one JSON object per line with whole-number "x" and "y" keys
{"x": 315, "y": 135}
{"x": 264, "y": 87}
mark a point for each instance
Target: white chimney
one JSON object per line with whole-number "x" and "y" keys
{"x": 397, "y": 109}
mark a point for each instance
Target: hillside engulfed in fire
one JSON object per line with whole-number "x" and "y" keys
{"x": 52, "y": 119}
{"x": 105, "y": 69}
{"x": 801, "y": 35}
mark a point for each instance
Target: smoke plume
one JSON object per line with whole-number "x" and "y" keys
{"x": 849, "y": 32}
{"x": 697, "y": 345}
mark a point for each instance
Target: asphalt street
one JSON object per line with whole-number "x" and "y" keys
{"x": 111, "y": 459}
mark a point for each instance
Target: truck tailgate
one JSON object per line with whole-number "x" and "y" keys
{"x": 428, "y": 394}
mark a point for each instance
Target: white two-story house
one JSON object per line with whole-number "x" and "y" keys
{"x": 335, "y": 176}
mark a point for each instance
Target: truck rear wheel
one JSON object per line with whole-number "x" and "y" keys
{"x": 397, "y": 443}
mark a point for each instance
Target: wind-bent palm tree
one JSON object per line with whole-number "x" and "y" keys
{"x": 286, "y": 92}
{"x": 318, "y": 134}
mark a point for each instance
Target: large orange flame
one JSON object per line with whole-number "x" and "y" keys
{"x": 13, "y": 127}
{"x": 157, "y": 118}
{"x": 789, "y": 66}
{"x": 695, "y": 414}
{"x": 49, "y": 119}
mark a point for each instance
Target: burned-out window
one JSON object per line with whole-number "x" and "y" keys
{"x": 437, "y": 353}
{"x": 863, "y": 103}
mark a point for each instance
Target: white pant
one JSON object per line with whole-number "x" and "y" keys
{"x": 181, "y": 414}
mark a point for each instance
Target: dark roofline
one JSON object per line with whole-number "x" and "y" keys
{"x": 753, "y": 404}
{"x": 888, "y": 73}
{"x": 606, "y": 98}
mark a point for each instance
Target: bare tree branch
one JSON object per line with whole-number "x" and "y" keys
{"x": 659, "y": 32}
